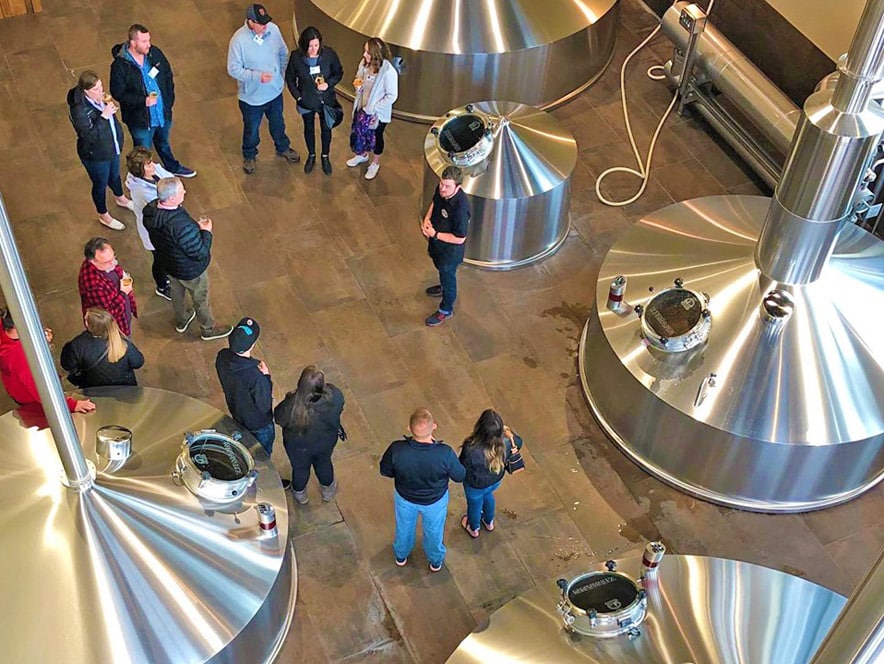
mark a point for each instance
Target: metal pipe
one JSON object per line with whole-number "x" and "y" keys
{"x": 27, "y": 323}
{"x": 757, "y": 159}
{"x": 834, "y": 144}
{"x": 857, "y": 637}
{"x": 742, "y": 82}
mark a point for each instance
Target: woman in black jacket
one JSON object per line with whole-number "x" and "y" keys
{"x": 484, "y": 455}
{"x": 101, "y": 355}
{"x": 310, "y": 418}
{"x": 311, "y": 76}
{"x": 99, "y": 143}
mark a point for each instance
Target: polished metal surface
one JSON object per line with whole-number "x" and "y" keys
{"x": 455, "y": 51}
{"x": 700, "y": 610}
{"x": 857, "y": 637}
{"x": 520, "y": 195}
{"x": 834, "y": 144}
{"x": 724, "y": 65}
{"x": 77, "y": 473}
{"x": 792, "y": 419}
{"x": 137, "y": 569}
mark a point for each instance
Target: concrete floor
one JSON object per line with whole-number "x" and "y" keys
{"x": 334, "y": 269}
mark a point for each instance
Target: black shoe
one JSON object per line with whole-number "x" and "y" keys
{"x": 286, "y": 485}
{"x": 165, "y": 292}
{"x": 326, "y": 164}
{"x": 310, "y": 163}
{"x": 434, "y": 291}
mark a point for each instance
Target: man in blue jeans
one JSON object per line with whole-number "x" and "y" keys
{"x": 257, "y": 57}
{"x": 445, "y": 227}
{"x": 421, "y": 467}
{"x": 141, "y": 80}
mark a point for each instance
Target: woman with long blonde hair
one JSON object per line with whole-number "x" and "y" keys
{"x": 485, "y": 455}
{"x": 101, "y": 355}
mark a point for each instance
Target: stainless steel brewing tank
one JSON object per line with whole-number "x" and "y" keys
{"x": 539, "y": 52}
{"x": 699, "y": 610}
{"x": 780, "y": 408}
{"x": 137, "y": 569}
{"x": 517, "y": 161}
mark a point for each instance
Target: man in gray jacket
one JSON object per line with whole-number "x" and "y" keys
{"x": 257, "y": 58}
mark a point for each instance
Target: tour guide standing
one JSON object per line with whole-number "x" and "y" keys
{"x": 141, "y": 80}
{"x": 421, "y": 467}
{"x": 445, "y": 227}
{"x": 257, "y": 58}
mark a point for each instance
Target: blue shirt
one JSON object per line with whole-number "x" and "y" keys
{"x": 157, "y": 117}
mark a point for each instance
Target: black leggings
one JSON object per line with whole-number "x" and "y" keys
{"x": 379, "y": 138}
{"x": 310, "y": 133}
{"x": 159, "y": 274}
{"x": 303, "y": 460}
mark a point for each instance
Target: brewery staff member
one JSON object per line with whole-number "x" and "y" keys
{"x": 445, "y": 226}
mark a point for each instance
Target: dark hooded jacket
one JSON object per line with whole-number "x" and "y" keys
{"x": 127, "y": 85}
{"x": 85, "y": 358}
{"x": 95, "y": 141}
{"x": 301, "y": 85}
{"x": 248, "y": 392}
{"x": 183, "y": 248}
{"x": 325, "y": 422}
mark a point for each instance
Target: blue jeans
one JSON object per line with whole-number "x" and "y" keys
{"x": 266, "y": 436}
{"x": 448, "y": 280}
{"x": 251, "y": 123}
{"x": 480, "y": 504}
{"x": 433, "y": 523}
{"x": 158, "y": 137}
{"x": 104, "y": 174}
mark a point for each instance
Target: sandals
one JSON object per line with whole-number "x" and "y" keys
{"x": 488, "y": 526}
{"x": 466, "y": 526}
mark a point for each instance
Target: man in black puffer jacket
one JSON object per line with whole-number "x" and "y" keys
{"x": 141, "y": 80}
{"x": 184, "y": 249}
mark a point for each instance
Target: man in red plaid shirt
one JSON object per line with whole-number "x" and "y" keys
{"x": 103, "y": 283}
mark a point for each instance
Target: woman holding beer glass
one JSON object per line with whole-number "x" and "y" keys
{"x": 99, "y": 143}
{"x": 377, "y": 88}
{"x": 311, "y": 76}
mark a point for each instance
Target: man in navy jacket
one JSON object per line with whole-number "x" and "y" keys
{"x": 421, "y": 467}
{"x": 184, "y": 249}
{"x": 247, "y": 385}
{"x": 141, "y": 80}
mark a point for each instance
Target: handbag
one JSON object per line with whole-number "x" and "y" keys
{"x": 362, "y": 136}
{"x": 332, "y": 114}
{"x": 514, "y": 462}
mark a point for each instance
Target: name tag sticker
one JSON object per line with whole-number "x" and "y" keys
{"x": 314, "y": 70}
{"x": 153, "y": 72}
{"x": 258, "y": 39}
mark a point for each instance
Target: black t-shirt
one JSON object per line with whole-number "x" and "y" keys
{"x": 450, "y": 215}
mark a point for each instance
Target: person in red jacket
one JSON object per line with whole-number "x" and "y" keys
{"x": 16, "y": 373}
{"x": 104, "y": 284}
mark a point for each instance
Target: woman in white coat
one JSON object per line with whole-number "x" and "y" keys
{"x": 144, "y": 173}
{"x": 377, "y": 87}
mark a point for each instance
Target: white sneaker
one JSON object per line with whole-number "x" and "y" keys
{"x": 113, "y": 224}
{"x": 355, "y": 161}
{"x": 372, "y": 171}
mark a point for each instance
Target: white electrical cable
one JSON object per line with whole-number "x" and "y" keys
{"x": 644, "y": 167}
